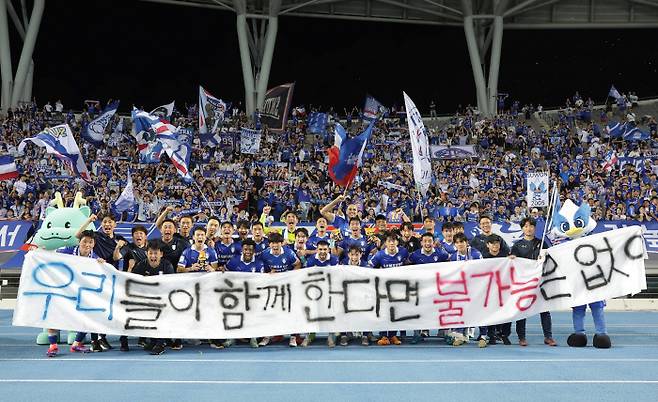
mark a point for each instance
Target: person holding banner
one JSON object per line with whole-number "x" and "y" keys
{"x": 155, "y": 264}
{"x": 495, "y": 250}
{"x": 530, "y": 247}
{"x": 226, "y": 248}
{"x": 84, "y": 249}
{"x": 479, "y": 241}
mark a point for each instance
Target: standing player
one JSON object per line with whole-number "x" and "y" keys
{"x": 132, "y": 253}
{"x": 342, "y": 224}
{"x": 355, "y": 238}
{"x": 258, "y": 236}
{"x": 279, "y": 259}
{"x": 322, "y": 258}
{"x": 155, "y": 264}
{"x": 247, "y": 262}
{"x": 447, "y": 242}
{"x": 173, "y": 244}
{"x": 530, "y": 247}
{"x": 408, "y": 237}
{"x": 494, "y": 250}
{"x": 198, "y": 257}
{"x": 226, "y": 248}
{"x": 320, "y": 233}
{"x": 391, "y": 256}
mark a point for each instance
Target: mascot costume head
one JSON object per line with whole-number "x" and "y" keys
{"x": 571, "y": 222}
{"x": 60, "y": 225}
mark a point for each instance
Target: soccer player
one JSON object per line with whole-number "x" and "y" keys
{"x": 243, "y": 230}
{"x": 479, "y": 242}
{"x": 173, "y": 244}
{"x": 322, "y": 258}
{"x": 84, "y": 249}
{"x": 391, "y": 256}
{"x": 530, "y": 247}
{"x": 427, "y": 254}
{"x": 186, "y": 223}
{"x": 132, "y": 253}
{"x": 212, "y": 230}
{"x": 494, "y": 250}
{"x": 464, "y": 252}
{"x": 154, "y": 264}
{"x": 279, "y": 259}
{"x": 225, "y": 247}
{"x": 342, "y": 224}
{"x": 198, "y": 257}
{"x": 258, "y": 236}
{"x": 299, "y": 247}
{"x": 408, "y": 237}
{"x": 289, "y": 232}
{"x": 105, "y": 243}
{"x": 446, "y": 231}
{"x": 247, "y": 262}
{"x": 355, "y": 238}
{"x": 320, "y": 233}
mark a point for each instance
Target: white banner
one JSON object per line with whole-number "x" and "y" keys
{"x": 249, "y": 141}
{"x": 74, "y": 293}
{"x": 453, "y": 152}
{"x": 537, "y": 189}
{"x": 419, "y": 146}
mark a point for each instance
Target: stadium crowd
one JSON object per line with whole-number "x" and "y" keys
{"x": 229, "y": 226}
{"x": 290, "y": 171}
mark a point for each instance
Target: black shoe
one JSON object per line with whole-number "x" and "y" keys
{"x": 577, "y": 340}
{"x": 177, "y": 344}
{"x": 157, "y": 350}
{"x": 602, "y": 341}
{"x": 505, "y": 340}
{"x": 492, "y": 340}
{"x": 124, "y": 346}
{"x": 216, "y": 344}
{"x": 96, "y": 347}
{"x": 149, "y": 346}
{"x": 104, "y": 344}
{"x": 141, "y": 342}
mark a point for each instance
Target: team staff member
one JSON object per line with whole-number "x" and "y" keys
{"x": 173, "y": 244}
{"x": 530, "y": 247}
{"x": 132, "y": 253}
{"x": 495, "y": 250}
{"x": 154, "y": 264}
{"x": 479, "y": 241}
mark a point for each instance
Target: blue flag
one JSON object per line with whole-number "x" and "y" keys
{"x": 93, "y": 131}
{"x": 632, "y": 133}
{"x": 317, "y": 123}
{"x": 346, "y": 155}
{"x": 373, "y": 108}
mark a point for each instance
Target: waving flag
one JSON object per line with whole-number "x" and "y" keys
{"x": 276, "y": 106}
{"x": 615, "y": 129}
{"x": 8, "y": 168}
{"x": 633, "y": 133}
{"x": 346, "y": 155}
{"x": 211, "y": 112}
{"x": 613, "y": 93}
{"x": 317, "y": 123}
{"x": 373, "y": 108}
{"x": 164, "y": 111}
{"x": 93, "y": 131}
{"x": 59, "y": 141}
{"x": 420, "y": 146}
{"x": 249, "y": 141}
{"x": 609, "y": 161}
{"x": 126, "y": 200}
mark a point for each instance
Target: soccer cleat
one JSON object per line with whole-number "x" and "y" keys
{"x": 364, "y": 341}
{"x": 177, "y": 344}
{"x": 264, "y": 342}
{"x": 602, "y": 341}
{"x": 228, "y": 343}
{"x": 79, "y": 348}
{"x": 425, "y": 333}
{"x": 253, "y": 342}
{"x": 383, "y": 341}
{"x": 157, "y": 349}
{"x": 293, "y": 341}
{"x": 105, "y": 345}
{"x": 492, "y": 340}
{"x": 141, "y": 342}
{"x": 124, "y": 346}
{"x": 482, "y": 342}
{"x": 523, "y": 342}
{"x": 96, "y": 347}
{"x": 505, "y": 340}
{"x": 395, "y": 340}
{"x": 550, "y": 342}
{"x": 53, "y": 350}
{"x": 331, "y": 340}
{"x": 343, "y": 340}
{"x": 306, "y": 341}
{"x": 458, "y": 340}
{"x": 216, "y": 344}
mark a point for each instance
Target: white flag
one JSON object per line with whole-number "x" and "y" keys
{"x": 419, "y": 146}
{"x": 164, "y": 111}
{"x": 127, "y": 198}
{"x": 211, "y": 111}
{"x": 249, "y": 141}
{"x": 537, "y": 189}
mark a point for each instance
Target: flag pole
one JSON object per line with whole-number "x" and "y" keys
{"x": 551, "y": 205}
{"x": 204, "y": 196}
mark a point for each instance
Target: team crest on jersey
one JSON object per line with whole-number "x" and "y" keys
{"x": 173, "y": 247}
{"x": 399, "y": 258}
{"x": 436, "y": 258}
{"x": 284, "y": 260}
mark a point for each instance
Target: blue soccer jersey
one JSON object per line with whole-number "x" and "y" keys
{"x": 227, "y": 251}
{"x": 237, "y": 264}
{"x": 261, "y": 247}
{"x": 341, "y": 224}
{"x": 361, "y": 242}
{"x": 75, "y": 251}
{"x": 279, "y": 263}
{"x": 191, "y": 256}
{"x": 312, "y": 242}
{"x": 471, "y": 254}
{"x": 314, "y": 261}
{"x": 437, "y": 255}
{"x": 449, "y": 247}
{"x": 382, "y": 259}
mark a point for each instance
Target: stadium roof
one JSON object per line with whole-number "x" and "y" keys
{"x": 519, "y": 14}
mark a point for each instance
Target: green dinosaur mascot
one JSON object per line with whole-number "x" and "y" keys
{"x": 58, "y": 230}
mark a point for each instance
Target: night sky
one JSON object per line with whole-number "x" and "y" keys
{"x": 148, "y": 54}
